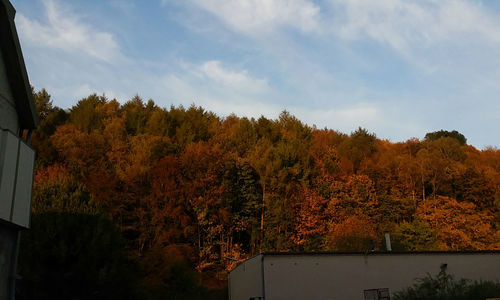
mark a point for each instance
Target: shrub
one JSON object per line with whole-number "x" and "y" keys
{"x": 445, "y": 287}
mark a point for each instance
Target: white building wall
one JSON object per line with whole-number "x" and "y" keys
{"x": 245, "y": 281}
{"x": 345, "y": 277}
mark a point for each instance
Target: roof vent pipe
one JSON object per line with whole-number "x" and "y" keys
{"x": 388, "y": 241}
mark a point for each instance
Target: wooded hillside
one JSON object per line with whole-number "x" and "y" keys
{"x": 183, "y": 192}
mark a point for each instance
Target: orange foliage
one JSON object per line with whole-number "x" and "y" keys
{"x": 310, "y": 217}
{"x": 172, "y": 181}
{"x": 54, "y": 172}
{"x": 459, "y": 226}
{"x": 355, "y": 233}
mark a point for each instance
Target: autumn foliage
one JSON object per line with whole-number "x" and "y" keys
{"x": 188, "y": 188}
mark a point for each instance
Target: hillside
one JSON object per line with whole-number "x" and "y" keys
{"x": 180, "y": 195}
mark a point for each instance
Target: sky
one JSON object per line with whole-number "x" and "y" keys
{"x": 398, "y": 68}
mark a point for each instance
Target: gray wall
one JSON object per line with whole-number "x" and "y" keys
{"x": 347, "y": 276}
{"x": 245, "y": 280}
{"x": 16, "y": 179}
{"x": 8, "y": 114}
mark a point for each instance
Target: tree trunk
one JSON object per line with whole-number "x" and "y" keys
{"x": 262, "y": 217}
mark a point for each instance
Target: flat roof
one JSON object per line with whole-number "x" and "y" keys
{"x": 378, "y": 252}
{"x": 367, "y": 253}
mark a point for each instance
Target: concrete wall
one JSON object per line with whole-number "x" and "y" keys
{"x": 8, "y": 113}
{"x": 347, "y": 276}
{"x": 245, "y": 281}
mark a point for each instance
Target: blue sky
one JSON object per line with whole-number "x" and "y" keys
{"x": 396, "y": 67}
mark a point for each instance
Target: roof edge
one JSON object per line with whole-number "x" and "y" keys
{"x": 380, "y": 253}
{"x": 16, "y": 68}
{"x": 10, "y": 8}
{"x": 244, "y": 261}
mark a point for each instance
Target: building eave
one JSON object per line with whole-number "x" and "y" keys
{"x": 16, "y": 68}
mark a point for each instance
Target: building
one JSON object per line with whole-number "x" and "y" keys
{"x": 351, "y": 276}
{"x": 17, "y": 120}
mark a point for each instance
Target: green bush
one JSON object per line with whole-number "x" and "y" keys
{"x": 445, "y": 287}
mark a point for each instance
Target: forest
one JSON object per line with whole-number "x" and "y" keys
{"x": 134, "y": 200}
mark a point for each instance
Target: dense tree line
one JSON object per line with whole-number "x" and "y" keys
{"x": 192, "y": 193}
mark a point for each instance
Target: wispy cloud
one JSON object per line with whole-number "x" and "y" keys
{"x": 217, "y": 87}
{"x": 397, "y": 67}
{"x": 255, "y": 17}
{"x": 345, "y": 118}
{"x": 230, "y": 90}
{"x": 64, "y": 30}
{"x": 412, "y": 26}
{"x": 233, "y": 79}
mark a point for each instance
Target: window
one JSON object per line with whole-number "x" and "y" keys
{"x": 377, "y": 294}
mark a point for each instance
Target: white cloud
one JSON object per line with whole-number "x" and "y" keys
{"x": 239, "y": 80}
{"x": 187, "y": 89}
{"x": 332, "y": 77}
{"x": 229, "y": 91}
{"x": 405, "y": 25}
{"x": 259, "y": 16}
{"x": 345, "y": 118}
{"x": 77, "y": 91}
{"x": 213, "y": 80}
{"x": 219, "y": 88}
{"x": 64, "y": 31}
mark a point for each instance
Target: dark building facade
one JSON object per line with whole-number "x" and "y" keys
{"x": 17, "y": 120}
